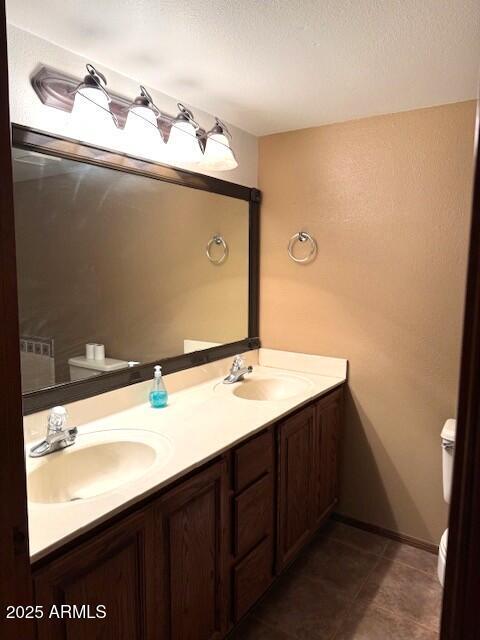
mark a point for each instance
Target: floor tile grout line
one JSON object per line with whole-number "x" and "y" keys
{"x": 431, "y": 576}
{"x": 410, "y": 566}
{"x": 406, "y": 617}
{"x": 356, "y": 547}
{"x": 348, "y": 601}
{"x": 395, "y": 613}
{"x": 330, "y": 590}
{"x": 351, "y": 600}
{"x": 348, "y": 598}
{"x": 352, "y": 546}
{"x": 388, "y": 542}
{"x": 355, "y": 597}
{"x": 406, "y": 564}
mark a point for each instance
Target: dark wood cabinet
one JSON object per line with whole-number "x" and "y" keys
{"x": 326, "y": 434}
{"x": 253, "y": 515}
{"x": 253, "y": 521}
{"x": 307, "y": 473}
{"x": 251, "y": 578}
{"x": 115, "y": 570}
{"x": 191, "y": 542}
{"x": 160, "y": 574}
{"x": 190, "y": 564}
{"x": 252, "y": 460}
{"x": 295, "y": 478}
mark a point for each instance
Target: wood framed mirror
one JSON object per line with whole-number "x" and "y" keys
{"x": 156, "y": 265}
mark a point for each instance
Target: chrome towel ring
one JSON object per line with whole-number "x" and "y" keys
{"x": 218, "y": 240}
{"x": 303, "y": 236}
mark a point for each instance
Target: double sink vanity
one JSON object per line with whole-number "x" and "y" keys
{"x": 174, "y": 521}
{"x": 177, "y": 520}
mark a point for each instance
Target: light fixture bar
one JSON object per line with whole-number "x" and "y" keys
{"x": 57, "y": 89}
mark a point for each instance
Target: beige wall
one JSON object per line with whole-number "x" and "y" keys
{"x": 111, "y": 257}
{"x": 388, "y": 200}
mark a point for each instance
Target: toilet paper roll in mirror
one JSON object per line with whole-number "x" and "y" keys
{"x": 90, "y": 351}
{"x": 99, "y": 352}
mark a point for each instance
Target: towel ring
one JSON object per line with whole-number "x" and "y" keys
{"x": 303, "y": 236}
{"x": 218, "y": 240}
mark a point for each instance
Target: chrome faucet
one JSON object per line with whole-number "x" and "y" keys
{"x": 237, "y": 371}
{"x": 58, "y": 436}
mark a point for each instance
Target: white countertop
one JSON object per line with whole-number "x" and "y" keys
{"x": 201, "y": 422}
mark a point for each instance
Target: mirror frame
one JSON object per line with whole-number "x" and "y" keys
{"x": 63, "y": 393}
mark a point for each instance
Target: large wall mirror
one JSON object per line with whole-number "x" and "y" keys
{"x": 123, "y": 263}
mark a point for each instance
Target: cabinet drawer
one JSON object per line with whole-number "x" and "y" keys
{"x": 252, "y": 460}
{"x": 252, "y": 577}
{"x": 253, "y": 515}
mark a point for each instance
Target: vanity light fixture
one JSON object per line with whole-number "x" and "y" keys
{"x": 218, "y": 154}
{"x": 143, "y": 113}
{"x": 142, "y": 128}
{"x": 91, "y": 104}
{"x": 183, "y": 144}
{"x": 151, "y": 133}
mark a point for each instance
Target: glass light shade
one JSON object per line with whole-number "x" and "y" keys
{"x": 142, "y": 136}
{"x": 91, "y": 119}
{"x": 182, "y": 145}
{"x": 218, "y": 155}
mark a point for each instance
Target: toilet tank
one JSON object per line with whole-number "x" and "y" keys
{"x": 448, "y": 450}
{"x": 81, "y": 373}
{"x": 81, "y": 367}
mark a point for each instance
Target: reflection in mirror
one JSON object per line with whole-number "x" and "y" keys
{"x": 110, "y": 258}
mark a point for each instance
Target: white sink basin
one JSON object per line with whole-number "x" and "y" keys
{"x": 96, "y": 464}
{"x": 268, "y": 388}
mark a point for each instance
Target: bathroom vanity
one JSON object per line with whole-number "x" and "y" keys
{"x": 165, "y": 524}
{"x": 193, "y": 556}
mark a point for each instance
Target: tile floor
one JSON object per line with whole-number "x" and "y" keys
{"x": 351, "y": 585}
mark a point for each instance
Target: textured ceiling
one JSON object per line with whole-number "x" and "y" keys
{"x": 275, "y": 65}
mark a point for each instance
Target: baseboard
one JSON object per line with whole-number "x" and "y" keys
{"x": 387, "y": 533}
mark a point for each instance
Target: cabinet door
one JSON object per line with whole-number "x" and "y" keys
{"x": 112, "y": 570}
{"x": 328, "y": 419}
{"x": 191, "y": 541}
{"x": 295, "y": 461}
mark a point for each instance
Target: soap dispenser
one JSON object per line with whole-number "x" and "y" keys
{"x": 158, "y": 394}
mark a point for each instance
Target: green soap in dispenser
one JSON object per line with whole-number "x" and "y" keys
{"x": 158, "y": 394}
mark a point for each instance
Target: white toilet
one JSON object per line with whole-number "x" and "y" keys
{"x": 448, "y": 450}
{"x": 81, "y": 367}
